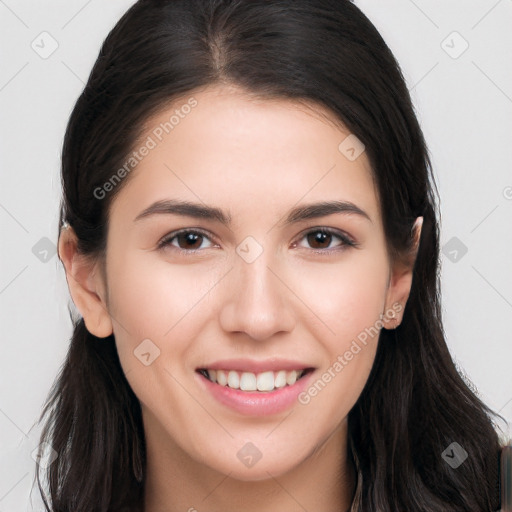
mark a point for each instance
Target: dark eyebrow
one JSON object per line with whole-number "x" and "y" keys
{"x": 322, "y": 209}
{"x": 197, "y": 210}
{"x": 202, "y": 211}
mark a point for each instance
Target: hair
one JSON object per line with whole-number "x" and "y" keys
{"x": 321, "y": 52}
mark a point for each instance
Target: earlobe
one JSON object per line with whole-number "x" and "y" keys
{"x": 85, "y": 285}
{"x": 400, "y": 282}
{"x": 398, "y": 293}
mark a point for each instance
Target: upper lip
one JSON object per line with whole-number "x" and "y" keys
{"x": 254, "y": 366}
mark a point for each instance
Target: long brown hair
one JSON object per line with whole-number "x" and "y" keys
{"x": 415, "y": 403}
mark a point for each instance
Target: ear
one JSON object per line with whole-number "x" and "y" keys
{"x": 400, "y": 282}
{"x": 85, "y": 285}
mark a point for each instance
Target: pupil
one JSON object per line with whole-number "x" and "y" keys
{"x": 320, "y": 237}
{"x": 191, "y": 238}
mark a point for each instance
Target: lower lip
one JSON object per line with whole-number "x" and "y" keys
{"x": 256, "y": 403}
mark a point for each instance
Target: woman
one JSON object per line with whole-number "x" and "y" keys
{"x": 225, "y": 358}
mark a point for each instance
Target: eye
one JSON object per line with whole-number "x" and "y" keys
{"x": 320, "y": 240}
{"x": 186, "y": 240}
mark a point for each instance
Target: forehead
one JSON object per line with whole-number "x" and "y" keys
{"x": 224, "y": 146}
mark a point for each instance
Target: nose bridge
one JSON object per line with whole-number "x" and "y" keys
{"x": 258, "y": 302}
{"x": 257, "y": 280}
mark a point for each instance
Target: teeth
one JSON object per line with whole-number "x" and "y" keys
{"x": 233, "y": 380}
{"x": 265, "y": 381}
{"x": 248, "y": 381}
{"x": 291, "y": 377}
{"x": 221, "y": 378}
{"x": 280, "y": 380}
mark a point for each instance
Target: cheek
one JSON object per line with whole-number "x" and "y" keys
{"x": 158, "y": 309}
{"x": 351, "y": 308}
{"x": 150, "y": 296}
{"x": 348, "y": 296}
{"x": 349, "y": 301}
{"x": 337, "y": 387}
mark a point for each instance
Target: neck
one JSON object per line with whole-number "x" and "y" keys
{"x": 324, "y": 481}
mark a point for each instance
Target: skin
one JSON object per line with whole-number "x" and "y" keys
{"x": 254, "y": 159}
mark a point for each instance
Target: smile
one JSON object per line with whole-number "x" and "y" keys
{"x": 266, "y": 381}
{"x": 254, "y": 394}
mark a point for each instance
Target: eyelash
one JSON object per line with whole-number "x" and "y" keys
{"x": 345, "y": 239}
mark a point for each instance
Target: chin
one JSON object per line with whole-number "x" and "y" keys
{"x": 259, "y": 471}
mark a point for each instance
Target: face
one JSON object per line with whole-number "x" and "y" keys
{"x": 259, "y": 291}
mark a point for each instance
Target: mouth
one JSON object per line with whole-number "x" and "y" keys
{"x": 264, "y": 382}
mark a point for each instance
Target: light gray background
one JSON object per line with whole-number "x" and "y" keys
{"x": 464, "y": 103}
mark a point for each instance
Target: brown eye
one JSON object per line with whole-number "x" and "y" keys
{"x": 324, "y": 240}
{"x": 185, "y": 240}
{"x": 319, "y": 239}
{"x": 189, "y": 240}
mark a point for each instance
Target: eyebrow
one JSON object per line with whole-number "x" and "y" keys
{"x": 202, "y": 211}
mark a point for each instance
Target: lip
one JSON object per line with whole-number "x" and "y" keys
{"x": 250, "y": 365}
{"x": 256, "y": 403}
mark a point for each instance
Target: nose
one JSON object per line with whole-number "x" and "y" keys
{"x": 257, "y": 300}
